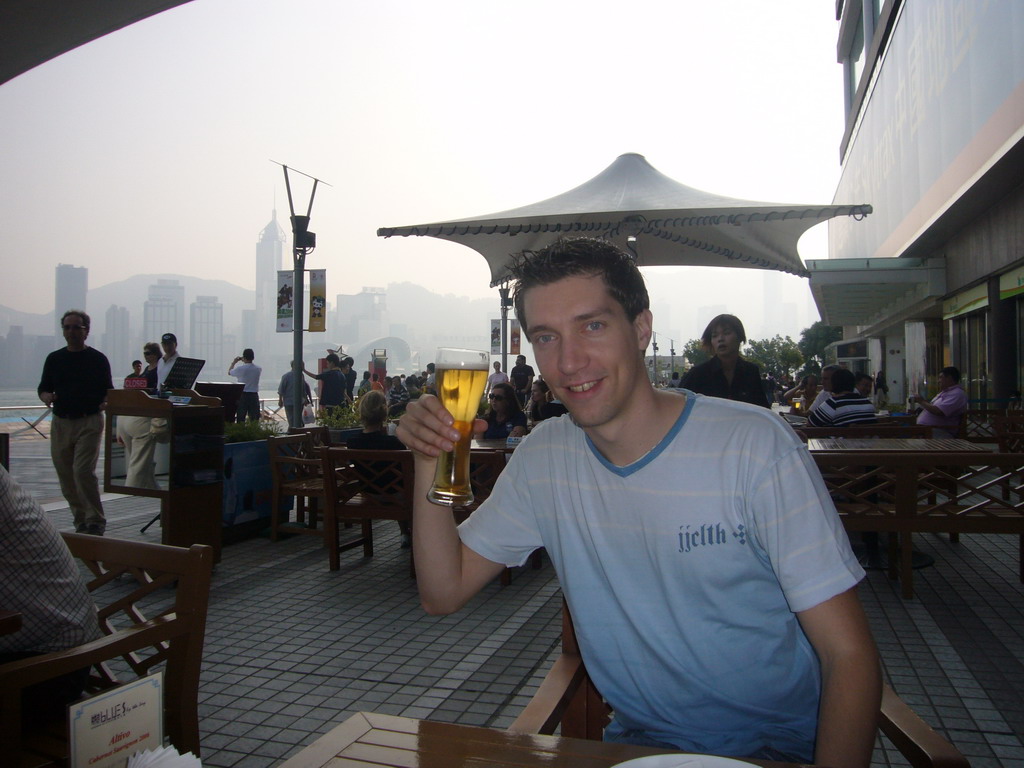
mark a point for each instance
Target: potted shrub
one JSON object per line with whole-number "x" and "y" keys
{"x": 343, "y": 421}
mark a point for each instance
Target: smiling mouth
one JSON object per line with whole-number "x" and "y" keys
{"x": 583, "y": 387}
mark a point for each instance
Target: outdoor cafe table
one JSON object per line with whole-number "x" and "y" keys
{"x": 876, "y": 444}
{"x": 386, "y": 741}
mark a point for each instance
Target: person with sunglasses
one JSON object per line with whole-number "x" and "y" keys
{"x": 505, "y": 417}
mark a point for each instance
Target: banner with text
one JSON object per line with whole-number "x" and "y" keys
{"x": 318, "y": 300}
{"x": 285, "y": 307}
{"x": 513, "y": 338}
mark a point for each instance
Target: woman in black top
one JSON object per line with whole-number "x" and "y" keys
{"x": 373, "y": 413}
{"x": 726, "y": 375}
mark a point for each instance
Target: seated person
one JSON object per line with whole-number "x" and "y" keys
{"x": 826, "y": 387}
{"x": 844, "y": 405}
{"x": 708, "y": 575}
{"x": 542, "y": 404}
{"x": 40, "y": 579}
{"x": 943, "y": 412}
{"x": 863, "y": 383}
{"x": 373, "y": 413}
{"x": 807, "y": 388}
{"x": 505, "y": 418}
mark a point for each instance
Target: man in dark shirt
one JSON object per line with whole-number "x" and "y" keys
{"x": 332, "y": 391}
{"x": 521, "y": 377}
{"x": 74, "y": 384}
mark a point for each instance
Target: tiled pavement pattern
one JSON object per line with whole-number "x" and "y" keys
{"x": 292, "y": 649}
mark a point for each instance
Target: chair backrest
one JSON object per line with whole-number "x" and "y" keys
{"x": 155, "y": 617}
{"x": 484, "y": 469}
{"x": 293, "y": 457}
{"x": 321, "y": 435}
{"x": 376, "y": 484}
{"x": 1009, "y": 431}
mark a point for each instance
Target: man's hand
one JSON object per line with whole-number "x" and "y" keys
{"x": 426, "y": 428}
{"x": 48, "y": 397}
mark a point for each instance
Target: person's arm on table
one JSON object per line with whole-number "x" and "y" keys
{"x": 448, "y": 573}
{"x": 851, "y": 682}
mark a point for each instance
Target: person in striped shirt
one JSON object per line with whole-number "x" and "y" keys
{"x": 845, "y": 406}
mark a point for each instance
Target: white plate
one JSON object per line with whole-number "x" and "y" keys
{"x": 683, "y": 761}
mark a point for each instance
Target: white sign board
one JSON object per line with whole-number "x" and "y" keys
{"x": 111, "y": 726}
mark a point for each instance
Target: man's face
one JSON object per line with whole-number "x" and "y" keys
{"x": 75, "y": 332}
{"x": 945, "y": 380}
{"x": 169, "y": 347}
{"x": 587, "y": 350}
{"x": 826, "y": 380}
{"x": 863, "y": 387}
{"x": 520, "y": 361}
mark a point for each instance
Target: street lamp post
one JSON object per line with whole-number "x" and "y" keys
{"x": 506, "y": 302}
{"x": 303, "y": 243}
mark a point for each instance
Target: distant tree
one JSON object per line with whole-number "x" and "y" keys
{"x": 813, "y": 341}
{"x": 695, "y": 353}
{"x": 776, "y": 356}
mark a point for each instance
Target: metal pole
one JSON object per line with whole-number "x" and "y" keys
{"x": 505, "y": 303}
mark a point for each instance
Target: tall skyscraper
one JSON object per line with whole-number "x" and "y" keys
{"x": 269, "y": 259}
{"x": 164, "y": 311}
{"x": 206, "y": 334}
{"x": 72, "y": 285}
{"x": 117, "y": 344}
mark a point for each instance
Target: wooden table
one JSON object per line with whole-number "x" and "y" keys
{"x": 875, "y": 444}
{"x": 372, "y": 740}
{"x": 10, "y": 622}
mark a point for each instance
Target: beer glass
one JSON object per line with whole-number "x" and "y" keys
{"x": 460, "y": 376}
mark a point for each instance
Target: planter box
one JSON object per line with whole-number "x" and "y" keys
{"x": 248, "y": 486}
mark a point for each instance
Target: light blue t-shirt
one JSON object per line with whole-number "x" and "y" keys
{"x": 683, "y": 571}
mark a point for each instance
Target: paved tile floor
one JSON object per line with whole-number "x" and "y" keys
{"x": 292, "y": 649}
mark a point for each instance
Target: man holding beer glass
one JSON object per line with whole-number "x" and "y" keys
{"x": 710, "y": 581}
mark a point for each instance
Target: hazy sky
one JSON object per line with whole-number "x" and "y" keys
{"x": 149, "y": 150}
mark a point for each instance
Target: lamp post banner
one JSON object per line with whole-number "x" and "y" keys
{"x": 514, "y": 337}
{"x": 317, "y": 300}
{"x": 495, "y": 337}
{"x": 285, "y": 308}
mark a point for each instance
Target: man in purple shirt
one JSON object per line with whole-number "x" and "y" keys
{"x": 944, "y": 411}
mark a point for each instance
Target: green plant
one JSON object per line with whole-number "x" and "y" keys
{"x": 244, "y": 431}
{"x": 339, "y": 417}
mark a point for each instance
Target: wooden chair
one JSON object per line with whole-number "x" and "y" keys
{"x": 484, "y": 469}
{"x": 568, "y": 699}
{"x": 321, "y": 435}
{"x": 364, "y": 486}
{"x": 297, "y": 471}
{"x": 172, "y": 585}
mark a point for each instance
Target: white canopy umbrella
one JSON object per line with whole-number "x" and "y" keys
{"x": 661, "y": 221}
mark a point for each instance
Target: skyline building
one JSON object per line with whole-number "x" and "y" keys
{"x": 164, "y": 311}
{"x": 206, "y": 333}
{"x": 71, "y": 289}
{"x": 269, "y": 259}
{"x": 117, "y": 343}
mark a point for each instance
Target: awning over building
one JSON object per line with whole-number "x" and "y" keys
{"x": 872, "y": 294}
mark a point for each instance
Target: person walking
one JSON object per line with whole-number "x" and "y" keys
{"x": 74, "y": 384}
